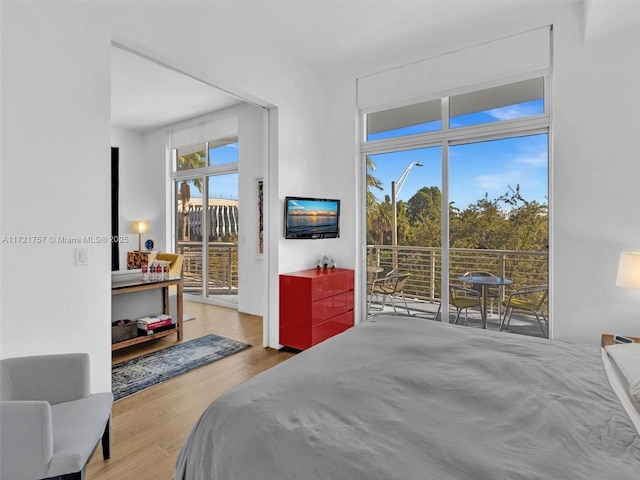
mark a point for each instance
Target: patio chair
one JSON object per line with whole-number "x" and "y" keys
{"x": 527, "y": 299}
{"x": 461, "y": 298}
{"x": 493, "y": 293}
{"x": 374, "y": 273}
{"x": 389, "y": 286}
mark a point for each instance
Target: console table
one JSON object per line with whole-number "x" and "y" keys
{"x": 130, "y": 286}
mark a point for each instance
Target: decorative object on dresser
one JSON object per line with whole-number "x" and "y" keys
{"x": 315, "y": 304}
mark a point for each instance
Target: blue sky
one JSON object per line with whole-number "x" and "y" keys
{"x": 221, "y": 186}
{"x": 474, "y": 169}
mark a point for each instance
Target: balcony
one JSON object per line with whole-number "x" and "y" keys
{"x": 425, "y": 265}
{"x": 222, "y": 275}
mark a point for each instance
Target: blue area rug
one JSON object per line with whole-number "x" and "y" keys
{"x": 133, "y": 375}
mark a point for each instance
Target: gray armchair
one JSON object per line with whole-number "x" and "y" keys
{"x": 51, "y": 423}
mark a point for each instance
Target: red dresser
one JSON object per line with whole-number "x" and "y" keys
{"x": 314, "y": 305}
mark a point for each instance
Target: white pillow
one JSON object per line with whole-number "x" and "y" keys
{"x": 627, "y": 358}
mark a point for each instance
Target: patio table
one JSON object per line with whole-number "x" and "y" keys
{"x": 485, "y": 281}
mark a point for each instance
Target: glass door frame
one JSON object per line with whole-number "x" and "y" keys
{"x": 448, "y": 137}
{"x": 204, "y": 174}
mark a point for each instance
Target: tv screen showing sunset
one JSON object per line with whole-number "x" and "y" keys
{"x": 307, "y": 218}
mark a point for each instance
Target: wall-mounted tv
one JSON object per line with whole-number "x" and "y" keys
{"x": 311, "y": 218}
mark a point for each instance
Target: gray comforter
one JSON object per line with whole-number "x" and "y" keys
{"x": 405, "y": 398}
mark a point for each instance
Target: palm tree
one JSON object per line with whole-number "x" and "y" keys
{"x": 189, "y": 162}
{"x": 380, "y": 218}
{"x": 372, "y": 182}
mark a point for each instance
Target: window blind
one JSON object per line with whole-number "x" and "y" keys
{"x": 485, "y": 63}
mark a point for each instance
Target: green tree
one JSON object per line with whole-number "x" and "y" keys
{"x": 528, "y": 223}
{"x": 424, "y": 203}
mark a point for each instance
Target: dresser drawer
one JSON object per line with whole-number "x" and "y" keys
{"x": 331, "y": 307}
{"x": 331, "y": 284}
{"x": 331, "y": 327}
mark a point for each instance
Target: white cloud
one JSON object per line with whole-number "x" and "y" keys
{"x": 499, "y": 181}
{"x": 511, "y": 111}
{"x": 534, "y": 161}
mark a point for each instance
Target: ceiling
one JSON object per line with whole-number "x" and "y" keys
{"x": 328, "y": 36}
{"x": 146, "y": 95}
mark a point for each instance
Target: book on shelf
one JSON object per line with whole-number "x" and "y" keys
{"x": 154, "y": 325}
{"x": 154, "y": 318}
{"x": 154, "y": 321}
{"x": 144, "y": 332}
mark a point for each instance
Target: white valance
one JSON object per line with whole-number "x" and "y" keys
{"x": 508, "y": 57}
{"x": 215, "y": 126}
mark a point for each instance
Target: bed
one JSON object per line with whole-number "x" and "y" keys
{"x": 408, "y": 398}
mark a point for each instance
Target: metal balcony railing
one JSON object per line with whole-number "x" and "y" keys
{"x": 425, "y": 265}
{"x": 222, "y": 275}
{"x": 524, "y": 268}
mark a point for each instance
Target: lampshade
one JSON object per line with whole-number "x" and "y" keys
{"x": 139, "y": 226}
{"x": 629, "y": 270}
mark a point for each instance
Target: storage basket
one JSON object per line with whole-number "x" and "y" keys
{"x": 122, "y": 330}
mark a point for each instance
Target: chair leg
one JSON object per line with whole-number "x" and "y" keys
{"x": 458, "y": 312}
{"x": 106, "y": 441}
{"x": 544, "y": 334}
{"x": 393, "y": 303}
{"x": 405, "y": 305}
{"x": 502, "y": 319}
{"x": 507, "y": 316}
{"x": 384, "y": 301}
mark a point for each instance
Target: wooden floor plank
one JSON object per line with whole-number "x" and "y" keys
{"x": 149, "y": 427}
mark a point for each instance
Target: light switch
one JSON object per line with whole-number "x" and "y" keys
{"x": 81, "y": 256}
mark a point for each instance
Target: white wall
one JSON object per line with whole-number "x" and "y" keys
{"x": 55, "y": 182}
{"x": 252, "y": 167}
{"x": 595, "y": 177}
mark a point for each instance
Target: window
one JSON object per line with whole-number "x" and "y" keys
{"x": 206, "y": 216}
{"x": 223, "y": 151}
{"x": 506, "y": 102}
{"x": 408, "y": 120}
{"x": 485, "y": 159}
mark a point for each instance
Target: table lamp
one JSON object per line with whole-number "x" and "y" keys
{"x": 629, "y": 270}
{"x": 139, "y": 227}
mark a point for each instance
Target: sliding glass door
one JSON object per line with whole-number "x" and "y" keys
{"x": 458, "y": 185}
{"x": 206, "y": 219}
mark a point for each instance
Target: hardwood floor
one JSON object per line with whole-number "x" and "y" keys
{"x": 149, "y": 427}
